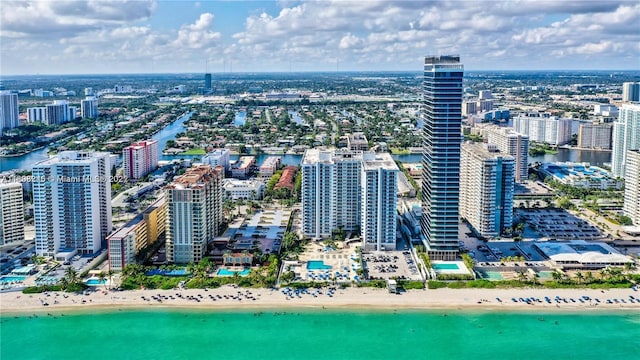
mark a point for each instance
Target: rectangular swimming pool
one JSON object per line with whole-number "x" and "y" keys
{"x": 95, "y": 282}
{"x": 227, "y": 272}
{"x": 11, "y": 278}
{"x": 317, "y": 265}
{"x": 441, "y": 266}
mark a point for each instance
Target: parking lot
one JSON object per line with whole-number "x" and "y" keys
{"x": 391, "y": 264}
{"x": 556, "y": 224}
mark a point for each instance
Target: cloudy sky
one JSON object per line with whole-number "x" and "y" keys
{"x": 144, "y": 36}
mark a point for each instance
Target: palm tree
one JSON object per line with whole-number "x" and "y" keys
{"x": 522, "y": 276}
{"x": 110, "y": 274}
{"x": 556, "y": 275}
{"x": 64, "y": 283}
{"x": 589, "y": 277}
{"x": 71, "y": 275}
{"x": 604, "y": 274}
{"x": 579, "y": 277}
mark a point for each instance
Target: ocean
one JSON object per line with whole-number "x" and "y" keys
{"x": 319, "y": 334}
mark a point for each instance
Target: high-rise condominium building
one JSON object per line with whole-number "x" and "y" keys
{"x": 194, "y": 213}
{"x": 626, "y": 136}
{"x": 60, "y": 112}
{"x": 140, "y": 158}
{"x": 379, "y": 184}
{"x": 348, "y": 189}
{"x": 207, "y": 82}
{"x": 594, "y": 136}
{"x": 89, "y": 107}
{"x": 330, "y": 191}
{"x": 631, "y": 206}
{"x": 549, "y": 129}
{"x": 72, "y": 202}
{"x": 11, "y": 213}
{"x": 37, "y": 114}
{"x": 8, "y": 111}
{"x": 486, "y": 188}
{"x": 631, "y": 91}
{"x": 441, "y": 155}
{"x": 512, "y": 143}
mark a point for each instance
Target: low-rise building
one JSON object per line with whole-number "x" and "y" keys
{"x": 269, "y": 166}
{"x": 243, "y": 168}
{"x": 581, "y": 254}
{"x": 357, "y": 141}
{"x": 234, "y": 189}
{"x": 287, "y": 179}
{"x": 581, "y": 175}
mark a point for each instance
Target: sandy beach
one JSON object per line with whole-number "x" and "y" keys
{"x": 229, "y": 297}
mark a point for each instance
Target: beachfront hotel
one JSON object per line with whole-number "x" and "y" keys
{"x": 631, "y": 206}
{"x": 136, "y": 235}
{"x": 330, "y": 191}
{"x": 626, "y": 136}
{"x": 194, "y": 213}
{"x": 379, "y": 183}
{"x": 72, "y": 203}
{"x": 442, "y": 118}
{"x": 486, "y": 188}
{"x": 140, "y": 158}
{"x": 11, "y": 213}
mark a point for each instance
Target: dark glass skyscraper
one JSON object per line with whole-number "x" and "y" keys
{"x": 441, "y": 155}
{"x": 207, "y": 82}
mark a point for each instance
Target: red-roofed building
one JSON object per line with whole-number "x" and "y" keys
{"x": 287, "y": 179}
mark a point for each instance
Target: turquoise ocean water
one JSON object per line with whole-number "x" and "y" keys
{"x": 319, "y": 334}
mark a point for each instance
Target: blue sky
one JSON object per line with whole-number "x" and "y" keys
{"x": 142, "y": 36}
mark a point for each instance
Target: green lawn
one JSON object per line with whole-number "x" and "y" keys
{"x": 194, "y": 152}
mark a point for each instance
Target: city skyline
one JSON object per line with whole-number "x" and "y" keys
{"x": 269, "y": 36}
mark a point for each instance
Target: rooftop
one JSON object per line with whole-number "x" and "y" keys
{"x": 331, "y": 156}
{"x": 374, "y": 161}
{"x": 485, "y": 151}
{"x": 73, "y": 157}
{"x": 582, "y": 252}
{"x": 194, "y": 176}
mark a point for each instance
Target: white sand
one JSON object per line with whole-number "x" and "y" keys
{"x": 354, "y": 298}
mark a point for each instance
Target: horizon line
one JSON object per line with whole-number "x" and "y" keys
{"x": 311, "y": 72}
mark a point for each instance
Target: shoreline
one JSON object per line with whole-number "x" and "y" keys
{"x": 228, "y": 298}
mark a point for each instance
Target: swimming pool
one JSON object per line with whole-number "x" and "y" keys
{"x": 11, "y": 278}
{"x": 441, "y": 266}
{"x": 95, "y": 282}
{"x": 46, "y": 280}
{"x": 492, "y": 275}
{"x": 227, "y": 272}
{"x": 317, "y": 265}
{"x": 545, "y": 274}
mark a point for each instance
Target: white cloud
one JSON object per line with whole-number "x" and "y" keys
{"x": 198, "y": 35}
{"x": 374, "y": 34}
{"x": 46, "y": 19}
